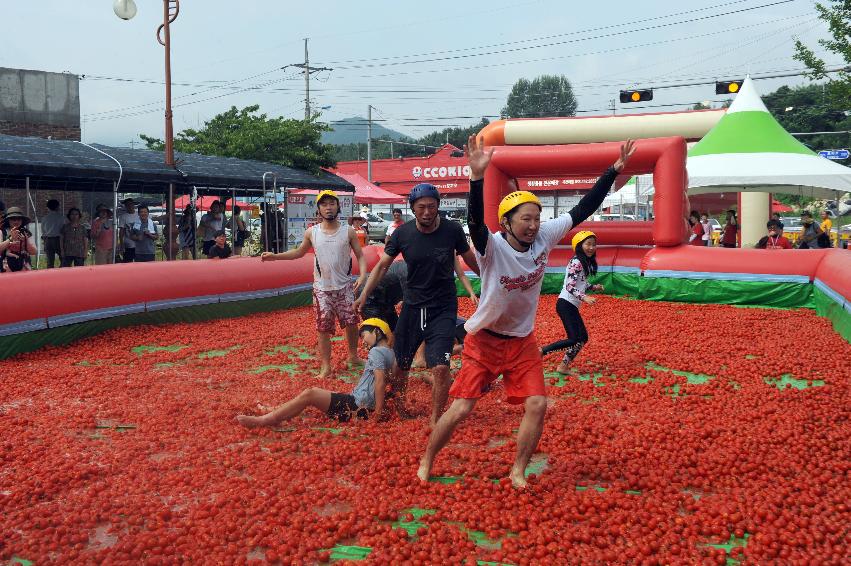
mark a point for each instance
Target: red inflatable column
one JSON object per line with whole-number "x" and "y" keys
{"x": 496, "y": 187}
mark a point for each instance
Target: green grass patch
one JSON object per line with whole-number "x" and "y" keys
{"x": 412, "y": 526}
{"x": 218, "y": 353}
{"x": 287, "y": 368}
{"x": 445, "y": 480}
{"x": 344, "y": 552}
{"x": 693, "y": 378}
{"x": 285, "y": 349}
{"x": 149, "y": 349}
{"x": 787, "y": 379}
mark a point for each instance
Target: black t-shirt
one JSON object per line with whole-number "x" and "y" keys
{"x": 431, "y": 261}
{"x": 222, "y": 253}
{"x": 390, "y": 289}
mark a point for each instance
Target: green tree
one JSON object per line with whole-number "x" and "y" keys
{"x": 425, "y": 145}
{"x": 837, "y": 14}
{"x": 247, "y": 134}
{"x": 456, "y": 136}
{"x": 806, "y": 109}
{"x": 543, "y": 97}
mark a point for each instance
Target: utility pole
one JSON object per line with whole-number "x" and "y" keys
{"x": 307, "y": 70}
{"x": 369, "y": 142}
{"x": 306, "y": 82}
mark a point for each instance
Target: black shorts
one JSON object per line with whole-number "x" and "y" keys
{"x": 433, "y": 325}
{"x": 387, "y": 315}
{"x": 343, "y": 407}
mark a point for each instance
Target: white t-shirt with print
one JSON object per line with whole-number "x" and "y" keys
{"x": 511, "y": 281}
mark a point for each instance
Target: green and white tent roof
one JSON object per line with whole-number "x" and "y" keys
{"x": 748, "y": 150}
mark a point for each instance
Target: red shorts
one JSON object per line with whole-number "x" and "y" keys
{"x": 485, "y": 357}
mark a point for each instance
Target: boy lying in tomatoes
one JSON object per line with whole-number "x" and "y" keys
{"x": 367, "y": 397}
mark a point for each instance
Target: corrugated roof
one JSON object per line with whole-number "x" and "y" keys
{"x": 77, "y": 166}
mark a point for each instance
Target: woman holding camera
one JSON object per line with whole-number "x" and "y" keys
{"x": 16, "y": 242}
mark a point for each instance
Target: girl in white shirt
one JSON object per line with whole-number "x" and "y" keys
{"x": 579, "y": 268}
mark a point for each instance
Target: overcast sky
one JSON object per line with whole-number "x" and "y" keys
{"x": 424, "y": 65}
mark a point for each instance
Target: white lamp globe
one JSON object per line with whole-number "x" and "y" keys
{"x": 124, "y": 9}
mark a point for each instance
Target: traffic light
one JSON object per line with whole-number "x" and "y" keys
{"x": 728, "y": 87}
{"x": 642, "y": 95}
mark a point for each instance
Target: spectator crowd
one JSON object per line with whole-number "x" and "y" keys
{"x": 67, "y": 240}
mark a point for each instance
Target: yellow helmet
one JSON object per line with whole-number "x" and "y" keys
{"x": 515, "y": 199}
{"x": 326, "y": 193}
{"x": 580, "y": 237}
{"x": 378, "y": 323}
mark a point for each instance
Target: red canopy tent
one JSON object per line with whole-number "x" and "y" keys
{"x": 365, "y": 192}
{"x": 204, "y": 203}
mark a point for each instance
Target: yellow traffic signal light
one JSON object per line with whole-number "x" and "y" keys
{"x": 640, "y": 95}
{"x": 728, "y": 87}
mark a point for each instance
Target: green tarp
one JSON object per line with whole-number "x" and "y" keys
{"x": 833, "y": 311}
{"x": 758, "y": 293}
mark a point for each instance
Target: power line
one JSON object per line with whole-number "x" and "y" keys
{"x": 565, "y": 42}
{"x": 522, "y": 41}
{"x": 573, "y": 55}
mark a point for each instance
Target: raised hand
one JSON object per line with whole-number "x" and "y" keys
{"x": 627, "y": 150}
{"x": 477, "y": 157}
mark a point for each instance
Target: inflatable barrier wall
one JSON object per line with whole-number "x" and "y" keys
{"x": 645, "y": 260}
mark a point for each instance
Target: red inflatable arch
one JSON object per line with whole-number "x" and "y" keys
{"x": 664, "y": 157}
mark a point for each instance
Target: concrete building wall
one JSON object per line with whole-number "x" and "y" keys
{"x": 39, "y": 104}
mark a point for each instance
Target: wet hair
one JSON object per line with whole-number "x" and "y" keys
{"x": 589, "y": 263}
{"x": 378, "y": 332}
{"x": 218, "y": 233}
{"x": 774, "y": 224}
{"x": 142, "y": 207}
{"x": 395, "y": 210}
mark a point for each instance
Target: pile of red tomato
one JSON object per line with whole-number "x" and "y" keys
{"x": 111, "y": 453}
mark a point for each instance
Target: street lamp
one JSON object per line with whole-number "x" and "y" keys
{"x": 126, "y": 9}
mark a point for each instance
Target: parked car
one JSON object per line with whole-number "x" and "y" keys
{"x": 376, "y": 227}
{"x": 388, "y": 216}
{"x": 791, "y": 223}
{"x": 614, "y": 217}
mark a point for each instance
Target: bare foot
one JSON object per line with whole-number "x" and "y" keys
{"x": 325, "y": 372}
{"x": 249, "y": 421}
{"x": 563, "y": 369}
{"x": 518, "y": 480}
{"x": 424, "y": 471}
{"x": 418, "y": 363}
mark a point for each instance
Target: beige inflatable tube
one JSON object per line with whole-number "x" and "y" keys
{"x": 691, "y": 125}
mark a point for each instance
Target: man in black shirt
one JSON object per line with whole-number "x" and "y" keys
{"x": 220, "y": 249}
{"x": 382, "y": 302}
{"x": 428, "y": 245}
